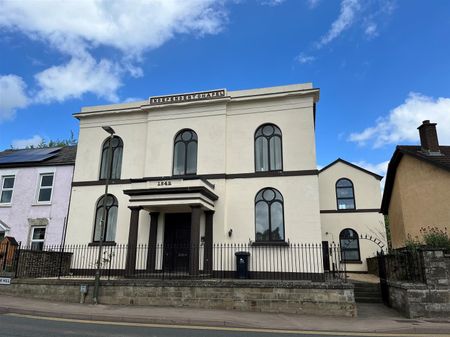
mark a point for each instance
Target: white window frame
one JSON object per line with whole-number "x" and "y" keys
{"x": 2, "y": 189}
{"x": 37, "y": 240}
{"x": 41, "y": 175}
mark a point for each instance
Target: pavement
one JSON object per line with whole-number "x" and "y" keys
{"x": 372, "y": 318}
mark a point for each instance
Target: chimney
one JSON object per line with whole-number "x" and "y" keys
{"x": 428, "y": 138}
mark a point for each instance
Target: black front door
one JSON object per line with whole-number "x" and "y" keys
{"x": 177, "y": 239}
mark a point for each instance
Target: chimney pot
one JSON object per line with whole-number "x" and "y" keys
{"x": 428, "y": 138}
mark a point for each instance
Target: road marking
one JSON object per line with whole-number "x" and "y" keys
{"x": 218, "y": 328}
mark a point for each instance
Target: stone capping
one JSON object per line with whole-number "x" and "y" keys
{"x": 407, "y": 285}
{"x": 194, "y": 283}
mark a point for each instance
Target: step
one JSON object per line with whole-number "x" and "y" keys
{"x": 367, "y": 289}
{"x": 367, "y": 293}
{"x": 368, "y": 300}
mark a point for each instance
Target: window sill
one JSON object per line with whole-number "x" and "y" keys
{"x": 111, "y": 181}
{"x": 269, "y": 171}
{"x": 270, "y": 243}
{"x": 352, "y": 262}
{"x": 5, "y": 205}
{"x": 184, "y": 176}
{"x": 346, "y": 210}
{"x": 49, "y": 203}
{"x": 105, "y": 243}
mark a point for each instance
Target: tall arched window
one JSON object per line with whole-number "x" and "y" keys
{"x": 345, "y": 194}
{"x": 111, "y": 218}
{"x": 185, "y": 153}
{"x": 268, "y": 149}
{"x": 269, "y": 215}
{"x": 116, "y": 151}
{"x": 349, "y": 242}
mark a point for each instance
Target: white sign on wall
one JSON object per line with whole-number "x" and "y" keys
{"x": 5, "y": 280}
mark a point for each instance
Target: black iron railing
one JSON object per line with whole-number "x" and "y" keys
{"x": 218, "y": 261}
{"x": 404, "y": 265}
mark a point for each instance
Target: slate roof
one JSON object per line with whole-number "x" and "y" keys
{"x": 442, "y": 161}
{"x": 352, "y": 165}
{"x": 64, "y": 156}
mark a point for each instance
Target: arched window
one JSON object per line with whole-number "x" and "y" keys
{"x": 185, "y": 153}
{"x": 345, "y": 194}
{"x": 111, "y": 218}
{"x": 269, "y": 215}
{"x": 116, "y": 151}
{"x": 268, "y": 150}
{"x": 349, "y": 242}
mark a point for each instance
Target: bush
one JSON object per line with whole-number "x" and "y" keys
{"x": 412, "y": 243}
{"x": 435, "y": 237}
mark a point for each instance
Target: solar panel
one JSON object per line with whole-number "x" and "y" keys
{"x": 29, "y": 156}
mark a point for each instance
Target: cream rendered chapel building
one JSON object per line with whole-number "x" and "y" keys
{"x": 216, "y": 167}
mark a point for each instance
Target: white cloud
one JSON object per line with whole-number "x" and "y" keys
{"x": 77, "y": 77}
{"x": 78, "y": 28}
{"x": 380, "y": 169}
{"x": 272, "y": 2}
{"x": 371, "y": 29}
{"x": 347, "y": 15}
{"x": 133, "y": 99}
{"x": 401, "y": 124}
{"x": 12, "y": 96}
{"x": 304, "y": 58}
{"x": 313, "y": 3}
{"x": 23, "y": 143}
{"x": 130, "y": 26}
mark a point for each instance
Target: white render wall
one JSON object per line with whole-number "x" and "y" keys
{"x": 225, "y": 129}
{"x": 367, "y": 223}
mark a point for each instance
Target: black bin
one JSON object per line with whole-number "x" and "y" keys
{"x": 242, "y": 264}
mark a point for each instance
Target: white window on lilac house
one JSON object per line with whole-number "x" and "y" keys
{"x": 37, "y": 238}
{"x": 45, "y": 188}
{"x": 6, "y": 189}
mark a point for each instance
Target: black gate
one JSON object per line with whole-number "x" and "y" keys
{"x": 326, "y": 256}
{"x": 382, "y": 273}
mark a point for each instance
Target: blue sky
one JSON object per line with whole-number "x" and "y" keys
{"x": 382, "y": 65}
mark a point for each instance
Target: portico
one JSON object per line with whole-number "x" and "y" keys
{"x": 183, "y": 208}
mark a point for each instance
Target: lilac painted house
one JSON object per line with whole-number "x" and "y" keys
{"x": 35, "y": 187}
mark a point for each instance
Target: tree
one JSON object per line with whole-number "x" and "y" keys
{"x": 53, "y": 143}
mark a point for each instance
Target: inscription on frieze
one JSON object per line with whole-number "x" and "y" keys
{"x": 194, "y": 96}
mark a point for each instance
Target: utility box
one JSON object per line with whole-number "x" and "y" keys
{"x": 242, "y": 265}
{"x": 84, "y": 288}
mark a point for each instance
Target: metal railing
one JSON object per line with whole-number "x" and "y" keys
{"x": 404, "y": 265}
{"x": 161, "y": 261}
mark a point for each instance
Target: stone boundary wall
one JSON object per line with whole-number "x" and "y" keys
{"x": 299, "y": 297}
{"x": 429, "y": 299}
{"x": 415, "y": 300}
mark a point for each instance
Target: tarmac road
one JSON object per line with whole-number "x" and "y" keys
{"x": 14, "y": 325}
